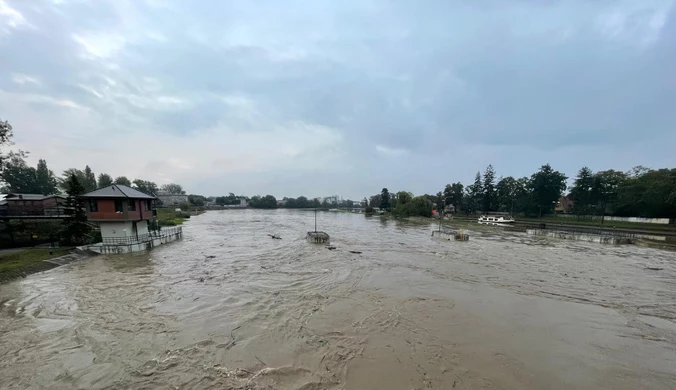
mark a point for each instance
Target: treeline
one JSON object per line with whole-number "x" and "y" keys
{"x": 18, "y": 177}
{"x": 642, "y": 192}
{"x": 401, "y": 204}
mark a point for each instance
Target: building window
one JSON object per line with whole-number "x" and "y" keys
{"x": 118, "y": 206}
{"x": 93, "y": 206}
{"x": 132, "y": 205}
{"x": 146, "y": 205}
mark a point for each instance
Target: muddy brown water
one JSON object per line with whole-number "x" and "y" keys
{"x": 229, "y": 308}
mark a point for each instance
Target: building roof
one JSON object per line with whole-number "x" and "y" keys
{"x": 15, "y": 196}
{"x": 117, "y": 191}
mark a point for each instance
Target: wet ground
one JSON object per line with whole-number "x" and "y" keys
{"x": 229, "y": 308}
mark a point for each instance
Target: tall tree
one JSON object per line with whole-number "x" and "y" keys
{"x": 606, "y": 188}
{"x": 546, "y": 186}
{"x": 457, "y": 194}
{"x": 104, "y": 180}
{"x": 6, "y": 135}
{"x": 581, "y": 191}
{"x": 145, "y": 186}
{"x": 89, "y": 183}
{"x": 475, "y": 194}
{"x": 45, "y": 179}
{"x": 65, "y": 177}
{"x": 18, "y": 176}
{"x": 173, "y": 188}
{"x": 404, "y": 197}
{"x": 123, "y": 180}
{"x": 505, "y": 192}
{"x": 489, "y": 189}
{"x": 385, "y": 199}
{"x": 374, "y": 201}
{"x": 76, "y": 227}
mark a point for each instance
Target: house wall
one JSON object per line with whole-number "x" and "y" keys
{"x": 106, "y": 211}
{"x": 21, "y": 207}
{"x": 117, "y": 229}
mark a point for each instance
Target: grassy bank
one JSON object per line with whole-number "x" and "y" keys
{"x": 27, "y": 261}
{"x": 169, "y": 217}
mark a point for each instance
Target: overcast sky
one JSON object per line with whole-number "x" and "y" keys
{"x": 322, "y": 97}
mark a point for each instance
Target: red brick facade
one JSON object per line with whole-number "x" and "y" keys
{"x": 118, "y": 209}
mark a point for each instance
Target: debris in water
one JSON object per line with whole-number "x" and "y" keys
{"x": 357, "y": 252}
{"x": 200, "y": 280}
{"x": 654, "y": 268}
{"x": 274, "y": 236}
{"x": 210, "y": 257}
{"x": 330, "y": 248}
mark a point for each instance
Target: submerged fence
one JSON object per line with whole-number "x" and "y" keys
{"x": 142, "y": 238}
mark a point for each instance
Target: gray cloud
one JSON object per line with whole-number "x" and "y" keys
{"x": 399, "y": 91}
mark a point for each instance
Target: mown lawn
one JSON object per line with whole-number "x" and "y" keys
{"x": 26, "y": 257}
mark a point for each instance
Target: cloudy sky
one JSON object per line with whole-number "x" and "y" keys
{"x": 323, "y": 97}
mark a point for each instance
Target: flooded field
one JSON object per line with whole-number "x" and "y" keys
{"x": 230, "y": 308}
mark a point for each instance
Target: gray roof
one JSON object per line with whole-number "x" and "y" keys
{"x": 16, "y": 196}
{"x": 117, "y": 191}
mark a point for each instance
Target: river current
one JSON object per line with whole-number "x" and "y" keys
{"x": 228, "y": 307}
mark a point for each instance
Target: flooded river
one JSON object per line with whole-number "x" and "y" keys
{"x": 229, "y": 308}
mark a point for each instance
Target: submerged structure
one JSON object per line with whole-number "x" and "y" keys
{"x": 599, "y": 236}
{"x": 122, "y": 213}
{"x": 316, "y": 236}
{"x": 449, "y": 234}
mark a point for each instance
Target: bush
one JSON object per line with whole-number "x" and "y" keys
{"x": 418, "y": 206}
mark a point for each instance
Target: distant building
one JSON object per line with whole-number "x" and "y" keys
{"x": 242, "y": 204}
{"x": 32, "y": 204}
{"x": 168, "y": 199}
{"x": 564, "y": 205}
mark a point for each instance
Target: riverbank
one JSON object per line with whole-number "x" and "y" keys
{"x": 23, "y": 262}
{"x": 171, "y": 217}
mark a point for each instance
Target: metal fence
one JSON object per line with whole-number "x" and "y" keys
{"x": 142, "y": 238}
{"x": 597, "y": 232}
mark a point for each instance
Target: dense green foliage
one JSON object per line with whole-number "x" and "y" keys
{"x": 20, "y": 178}
{"x": 75, "y": 223}
{"x": 104, "y": 180}
{"x": 385, "y": 200}
{"x": 123, "y": 180}
{"x": 640, "y": 193}
{"x": 415, "y": 206}
{"x": 172, "y": 188}
{"x": 265, "y": 202}
{"x": 231, "y": 199}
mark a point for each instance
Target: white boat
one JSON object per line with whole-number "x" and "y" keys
{"x": 505, "y": 219}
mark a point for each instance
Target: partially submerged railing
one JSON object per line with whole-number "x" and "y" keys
{"x": 142, "y": 238}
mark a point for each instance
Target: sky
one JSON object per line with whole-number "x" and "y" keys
{"x": 323, "y": 97}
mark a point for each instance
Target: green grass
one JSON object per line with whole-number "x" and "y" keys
{"x": 169, "y": 217}
{"x": 25, "y": 258}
